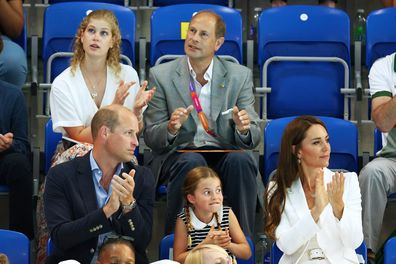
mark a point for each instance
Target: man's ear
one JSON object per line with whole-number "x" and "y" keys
{"x": 219, "y": 42}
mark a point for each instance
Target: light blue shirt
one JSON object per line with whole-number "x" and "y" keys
{"x": 102, "y": 196}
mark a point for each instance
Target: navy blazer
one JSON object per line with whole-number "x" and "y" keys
{"x": 75, "y": 221}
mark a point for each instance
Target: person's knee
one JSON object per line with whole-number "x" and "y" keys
{"x": 371, "y": 174}
{"x": 19, "y": 165}
{"x": 192, "y": 159}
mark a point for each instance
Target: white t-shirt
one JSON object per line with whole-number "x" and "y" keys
{"x": 382, "y": 79}
{"x": 71, "y": 103}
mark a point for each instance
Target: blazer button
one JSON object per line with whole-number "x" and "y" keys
{"x": 92, "y": 251}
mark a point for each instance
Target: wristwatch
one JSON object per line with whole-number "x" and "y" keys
{"x": 129, "y": 206}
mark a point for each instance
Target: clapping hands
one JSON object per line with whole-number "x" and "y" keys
{"x": 333, "y": 195}
{"x": 218, "y": 237}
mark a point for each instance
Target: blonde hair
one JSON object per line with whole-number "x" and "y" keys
{"x": 195, "y": 256}
{"x": 113, "y": 55}
{"x": 4, "y": 259}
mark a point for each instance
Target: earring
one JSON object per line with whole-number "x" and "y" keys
{"x": 298, "y": 160}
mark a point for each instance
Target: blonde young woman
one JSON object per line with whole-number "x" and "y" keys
{"x": 95, "y": 78}
{"x": 314, "y": 214}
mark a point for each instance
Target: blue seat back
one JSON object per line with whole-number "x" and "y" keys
{"x": 390, "y": 251}
{"x": 15, "y": 245}
{"x": 380, "y": 34}
{"x": 50, "y": 247}
{"x": 311, "y": 88}
{"x": 276, "y": 253}
{"x": 343, "y": 140}
{"x": 377, "y": 141}
{"x": 166, "y": 249}
{"x": 116, "y": 2}
{"x": 166, "y": 30}
{"x": 51, "y": 140}
{"x": 61, "y": 22}
{"x": 22, "y": 38}
{"x": 178, "y": 2}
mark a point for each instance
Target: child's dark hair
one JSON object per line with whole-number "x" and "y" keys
{"x": 190, "y": 185}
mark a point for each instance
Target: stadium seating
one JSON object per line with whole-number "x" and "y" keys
{"x": 304, "y": 60}
{"x": 176, "y": 2}
{"x": 343, "y": 136}
{"x": 380, "y": 39}
{"x": 170, "y": 23}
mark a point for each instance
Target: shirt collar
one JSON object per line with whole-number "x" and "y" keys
{"x": 95, "y": 167}
{"x": 208, "y": 73}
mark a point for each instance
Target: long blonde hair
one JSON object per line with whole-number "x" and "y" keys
{"x": 113, "y": 55}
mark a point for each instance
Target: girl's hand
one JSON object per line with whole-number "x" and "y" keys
{"x": 122, "y": 92}
{"x": 335, "y": 191}
{"x": 143, "y": 97}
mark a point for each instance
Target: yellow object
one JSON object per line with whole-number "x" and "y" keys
{"x": 183, "y": 29}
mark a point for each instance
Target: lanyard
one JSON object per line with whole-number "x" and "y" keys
{"x": 198, "y": 108}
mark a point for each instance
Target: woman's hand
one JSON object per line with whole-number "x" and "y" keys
{"x": 321, "y": 196}
{"x": 142, "y": 98}
{"x": 122, "y": 92}
{"x": 335, "y": 191}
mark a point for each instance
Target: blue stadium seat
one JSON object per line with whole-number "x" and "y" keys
{"x": 61, "y": 22}
{"x": 304, "y": 57}
{"x": 22, "y": 38}
{"x": 51, "y": 140}
{"x": 176, "y": 2}
{"x": 390, "y": 251}
{"x": 343, "y": 140}
{"x": 166, "y": 249}
{"x": 15, "y": 245}
{"x": 168, "y": 23}
{"x": 380, "y": 39}
{"x": 276, "y": 253}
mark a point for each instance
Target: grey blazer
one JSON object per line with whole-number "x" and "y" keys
{"x": 231, "y": 85}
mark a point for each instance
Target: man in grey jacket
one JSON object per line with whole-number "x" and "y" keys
{"x": 203, "y": 115}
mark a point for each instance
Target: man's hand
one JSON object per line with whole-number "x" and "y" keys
{"x": 113, "y": 204}
{"x": 241, "y": 120}
{"x": 122, "y": 92}
{"x": 6, "y": 141}
{"x": 143, "y": 97}
{"x": 124, "y": 187}
{"x": 178, "y": 117}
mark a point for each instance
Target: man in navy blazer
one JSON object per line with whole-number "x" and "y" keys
{"x": 202, "y": 114}
{"x": 101, "y": 194}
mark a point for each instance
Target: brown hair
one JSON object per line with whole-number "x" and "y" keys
{"x": 107, "y": 116}
{"x": 191, "y": 182}
{"x": 220, "y": 27}
{"x": 113, "y": 55}
{"x": 287, "y": 171}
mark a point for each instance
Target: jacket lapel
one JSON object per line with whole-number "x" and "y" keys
{"x": 181, "y": 83}
{"x": 85, "y": 183}
{"x": 297, "y": 199}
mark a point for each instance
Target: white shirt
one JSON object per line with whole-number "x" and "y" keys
{"x": 71, "y": 103}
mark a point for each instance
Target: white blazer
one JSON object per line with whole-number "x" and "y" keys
{"x": 337, "y": 238}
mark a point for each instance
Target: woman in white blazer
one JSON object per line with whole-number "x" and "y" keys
{"x": 313, "y": 213}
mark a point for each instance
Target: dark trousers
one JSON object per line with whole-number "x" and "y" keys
{"x": 15, "y": 171}
{"x": 237, "y": 171}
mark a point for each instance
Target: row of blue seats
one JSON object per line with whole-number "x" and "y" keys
{"x": 301, "y": 49}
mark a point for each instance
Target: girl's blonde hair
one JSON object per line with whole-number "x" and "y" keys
{"x": 196, "y": 255}
{"x": 191, "y": 182}
{"x": 113, "y": 55}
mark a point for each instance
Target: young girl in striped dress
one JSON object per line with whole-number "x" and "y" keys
{"x": 204, "y": 219}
